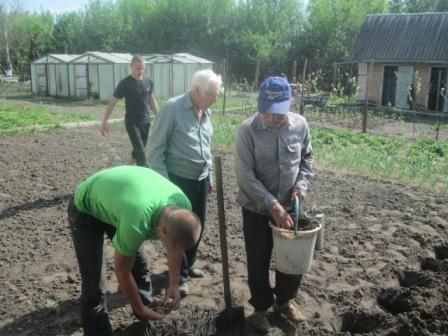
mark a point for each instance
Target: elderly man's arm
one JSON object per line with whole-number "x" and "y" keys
{"x": 123, "y": 270}
{"x": 159, "y": 139}
{"x": 245, "y": 171}
{"x": 306, "y": 166}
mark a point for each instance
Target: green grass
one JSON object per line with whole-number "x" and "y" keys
{"x": 224, "y": 130}
{"x": 418, "y": 161}
{"x": 15, "y": 116}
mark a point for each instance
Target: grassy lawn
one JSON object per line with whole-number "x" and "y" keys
{"x": 16, "y": 115}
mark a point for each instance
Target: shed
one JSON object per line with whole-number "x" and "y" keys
{"x": 403, "y": 60}
{"x": 172, "y": 74}
{"x": 50, "y": 75}
{"x": 96, "y": 74}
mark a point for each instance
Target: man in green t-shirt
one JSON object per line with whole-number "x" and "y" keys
{"x": 130, "y": 204}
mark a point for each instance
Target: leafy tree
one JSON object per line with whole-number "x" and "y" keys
{"x": 331, "y": 29}
{"x": 103, "y": 27}
{"x": 137, "y": 34}
{"x": 33, "y": 36}
{"x": 67, "y": 33}
{"x": 418, "y": 6}
{"x": 8, "y": 10}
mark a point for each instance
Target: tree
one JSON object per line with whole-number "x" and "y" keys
{"x": 331, "y": 29}
{"x": 103, "y": 27}
{"x": 31, "y": 31}
{"x": 67, "y": 33}
{"x": 8, "y": 9}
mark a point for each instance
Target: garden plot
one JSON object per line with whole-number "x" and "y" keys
{"x": 383, "y": 270}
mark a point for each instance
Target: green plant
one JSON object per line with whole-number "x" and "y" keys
{"x": 19, "y": 116}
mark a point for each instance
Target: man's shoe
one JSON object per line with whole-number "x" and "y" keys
{"x": 183, "y": 289}
{"x": 196, "y": 273}
{"x": 289, "y": 310}
{"x": 259, "y": 322}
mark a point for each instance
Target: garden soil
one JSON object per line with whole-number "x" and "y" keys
{"x": 383, "y": 269}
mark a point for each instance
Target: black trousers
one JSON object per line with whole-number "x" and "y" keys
{"x": 88, "y": 239}
{"x": 138, "y": 134}
{"x": 259, "y": 244}
{"x": 197, "y": 193}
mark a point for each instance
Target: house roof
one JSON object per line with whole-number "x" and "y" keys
{"x": 419, "y": 37}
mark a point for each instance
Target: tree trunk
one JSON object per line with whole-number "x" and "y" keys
{"x": 257, "y": 74}
{"x": 8, "y": 58}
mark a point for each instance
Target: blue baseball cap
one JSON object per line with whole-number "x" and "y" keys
{"x": 274, "y": 96}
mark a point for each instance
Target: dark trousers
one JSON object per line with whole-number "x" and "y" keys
{"x": 88, "y": 239}
{"x": 138, "y": 134}
{"x": 197, "y": 192}
{"x": 258, "y": 241}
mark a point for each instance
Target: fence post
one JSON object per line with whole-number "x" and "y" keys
{"x": 438, "y": 127}
{"x": 366, "y": 104}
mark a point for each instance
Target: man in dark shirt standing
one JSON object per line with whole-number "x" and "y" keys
{"x": 138, "y": 96}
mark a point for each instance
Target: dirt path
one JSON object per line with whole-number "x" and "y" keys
{"x": 379, "y": 272}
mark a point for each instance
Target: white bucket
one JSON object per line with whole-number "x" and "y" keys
{"x": 294, "y": 250}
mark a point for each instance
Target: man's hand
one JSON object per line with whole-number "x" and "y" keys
{"x": 104, "y": 129}
{"x": 298, "y": 192}
{"x": 281, "y": 217}
{"x": 172, "y": 298}
{"x": 149, "y": 314}
{"x": 123, "y": 270}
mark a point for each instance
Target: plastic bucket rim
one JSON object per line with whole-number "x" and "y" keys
{"x": 278, "y": 230}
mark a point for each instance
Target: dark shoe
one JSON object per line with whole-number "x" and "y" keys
{"x": 259, "y": 322}
{"x": 183, "y": 289}
{"x": 196, "y": 273}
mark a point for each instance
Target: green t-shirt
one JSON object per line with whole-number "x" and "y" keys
{"x": 130, "y": 198}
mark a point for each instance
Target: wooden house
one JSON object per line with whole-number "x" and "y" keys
{"x": 403, "y": 60}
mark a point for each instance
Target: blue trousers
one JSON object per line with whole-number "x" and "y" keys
{"x": 88, "y": 239}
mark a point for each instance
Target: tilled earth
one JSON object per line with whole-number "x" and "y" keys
{"x": 383, "y": 269}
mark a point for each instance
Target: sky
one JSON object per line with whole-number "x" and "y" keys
{"x": 55, "y": 6}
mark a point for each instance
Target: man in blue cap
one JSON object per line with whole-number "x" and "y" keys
{"x": 273, "y": 164}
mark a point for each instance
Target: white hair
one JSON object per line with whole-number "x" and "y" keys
{"x": 202, "y": 80}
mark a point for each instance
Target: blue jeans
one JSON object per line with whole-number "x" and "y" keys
{"x": 88, "y": 239}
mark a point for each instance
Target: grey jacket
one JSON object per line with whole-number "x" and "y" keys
{"x": 270, "y": 162}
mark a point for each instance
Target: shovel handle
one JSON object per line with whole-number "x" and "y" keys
{"x": 222, "y": 232}
{"x": 297, "y": 213}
